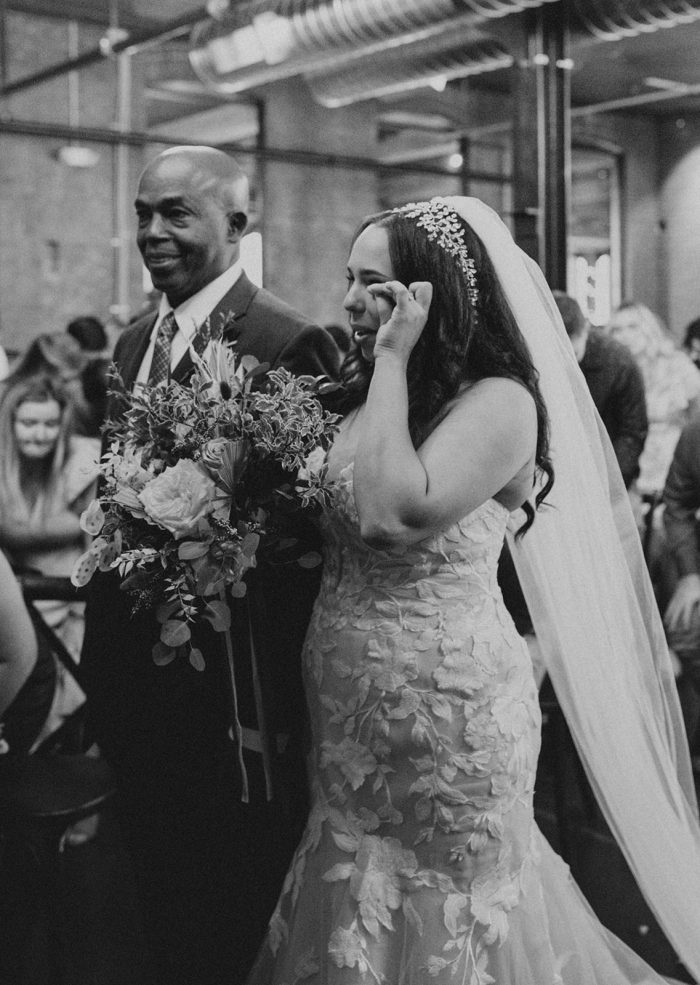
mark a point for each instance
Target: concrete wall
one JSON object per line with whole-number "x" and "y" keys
{"x": 310, "y": 211}
{"x": 636, "y": 141}
{"x": 680, "y": 217}
{"x": 57, "y": 224}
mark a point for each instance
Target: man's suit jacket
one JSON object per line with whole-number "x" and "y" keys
{"x": 682, "y": 502}
{"x": 164, "y": 728}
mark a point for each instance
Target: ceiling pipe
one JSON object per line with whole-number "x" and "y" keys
{"x": 399, "y": 71}
{"x": 613, "y": 20}
{"x": 640, "y": 99}
{"x": 283, "y": 38}
{"x": 115, "y": 40}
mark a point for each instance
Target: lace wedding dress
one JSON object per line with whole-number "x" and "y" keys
{"x": 421, "y": 861}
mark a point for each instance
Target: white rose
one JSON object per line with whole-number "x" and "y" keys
{"x": 179, "y": 497}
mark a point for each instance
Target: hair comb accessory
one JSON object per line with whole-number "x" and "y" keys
{"x": 442, "y": 225}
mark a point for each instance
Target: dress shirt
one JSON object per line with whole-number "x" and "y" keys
{"x": 190, "y": 316}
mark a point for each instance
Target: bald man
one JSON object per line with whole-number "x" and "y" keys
{"x": 208, "y": 867}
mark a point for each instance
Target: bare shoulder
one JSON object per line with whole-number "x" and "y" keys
{"x": 500, "y": 400}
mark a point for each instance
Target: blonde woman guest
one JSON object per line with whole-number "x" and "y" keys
{"x": 47, "y": 477}
{"x": 671, "y": 383}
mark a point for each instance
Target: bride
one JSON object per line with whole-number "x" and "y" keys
{"x": 468, "y": 420}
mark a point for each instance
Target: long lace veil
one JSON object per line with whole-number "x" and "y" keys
{"x": 585, "y": 580}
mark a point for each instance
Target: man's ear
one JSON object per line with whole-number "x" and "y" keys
{"x": 237, "y": 222}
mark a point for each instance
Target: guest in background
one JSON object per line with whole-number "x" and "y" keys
{"x": 4, "y": 364}
{"x": 615, "y": 382}
{"x": 53, "y": 354}
{"x": 691, "y": 341}
{"x": 91, "y": 335}
{"x": 682, "y": 616}
{"x": 56, "y": 355}
{"x": 47, "y": 478}
{"x": 27, "y": 672}
{"x": 671, "y": 386}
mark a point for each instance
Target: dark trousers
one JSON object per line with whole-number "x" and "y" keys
{"x": 208, "y": 870}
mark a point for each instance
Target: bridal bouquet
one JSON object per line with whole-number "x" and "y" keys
{"x": 197, "y": 483}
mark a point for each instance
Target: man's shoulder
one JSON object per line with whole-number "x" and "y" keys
{"x": 610, "y": 349}
{"x": 611, "y": 358}
{"x": 278, "y": 310}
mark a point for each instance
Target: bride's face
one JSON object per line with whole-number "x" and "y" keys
{"x": 368, "y": 263}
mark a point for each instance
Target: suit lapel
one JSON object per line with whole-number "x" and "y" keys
{"x": 231, "y": 310}
{"x": 134, "y": 356}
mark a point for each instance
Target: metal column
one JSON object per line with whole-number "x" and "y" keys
{"x": 542, "y": 142}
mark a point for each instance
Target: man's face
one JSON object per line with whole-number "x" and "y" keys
{"x": 184, "y": 233}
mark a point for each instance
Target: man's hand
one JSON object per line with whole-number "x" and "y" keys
{"x": 682, "y": 611}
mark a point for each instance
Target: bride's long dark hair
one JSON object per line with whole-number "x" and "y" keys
{"x": 460, "y": 342}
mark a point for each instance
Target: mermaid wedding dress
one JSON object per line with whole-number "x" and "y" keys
{"x": 421, "y": 861}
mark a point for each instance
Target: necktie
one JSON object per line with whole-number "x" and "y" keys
{"x": 160, "y": 364}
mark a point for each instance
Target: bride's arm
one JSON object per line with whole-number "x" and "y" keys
{"x": 488, "y": 436}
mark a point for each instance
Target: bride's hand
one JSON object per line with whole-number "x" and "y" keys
{"x": 403, "y": 312}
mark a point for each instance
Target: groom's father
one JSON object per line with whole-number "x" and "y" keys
{"x": 208, "y": 866}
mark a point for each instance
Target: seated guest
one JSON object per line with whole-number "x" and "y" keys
{"x": 691, "y": 341}
{"x": 59, "y": 356}
{"x": 682, "y": 618}
{"x": 615, "y": 382}
{"x": 47, "y": 478}
{"x": 27, "y": 671}
{"x": 671, "y": 387}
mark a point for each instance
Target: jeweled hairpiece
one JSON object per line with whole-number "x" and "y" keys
{"x": 443, "y": 227}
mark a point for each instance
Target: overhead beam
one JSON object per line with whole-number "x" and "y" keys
{"x": 88, "y": 11}
{"x": 132, "y": 138}
{"x": 108, "y": 46}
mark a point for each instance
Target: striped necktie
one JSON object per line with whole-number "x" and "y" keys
{"x": 160, "y": 364}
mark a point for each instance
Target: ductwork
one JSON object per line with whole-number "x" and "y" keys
{"x": 612, "y": 20}
{"x": 294, "y": 37}
{"x": 350, "y": 50}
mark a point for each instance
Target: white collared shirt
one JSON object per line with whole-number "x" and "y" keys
{"x": 190, "y": 316}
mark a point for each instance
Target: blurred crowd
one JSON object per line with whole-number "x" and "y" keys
{"x": 53, "y": 400}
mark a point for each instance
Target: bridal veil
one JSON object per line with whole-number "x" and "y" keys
{"x": 590, "y": 598}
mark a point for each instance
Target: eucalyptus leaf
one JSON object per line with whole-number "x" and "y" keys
{"x": 310, "y": 560}
{"x": 197, "y": 659}
{"x": 175, "y": 632}
{"x": 191, "y": 549}
{"x": 166, "y": 610}
{"x": 162, "y": 654}
{"x": 219, "y": 615}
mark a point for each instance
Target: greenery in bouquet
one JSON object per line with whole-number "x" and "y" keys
{"x": 199, "y": 481}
